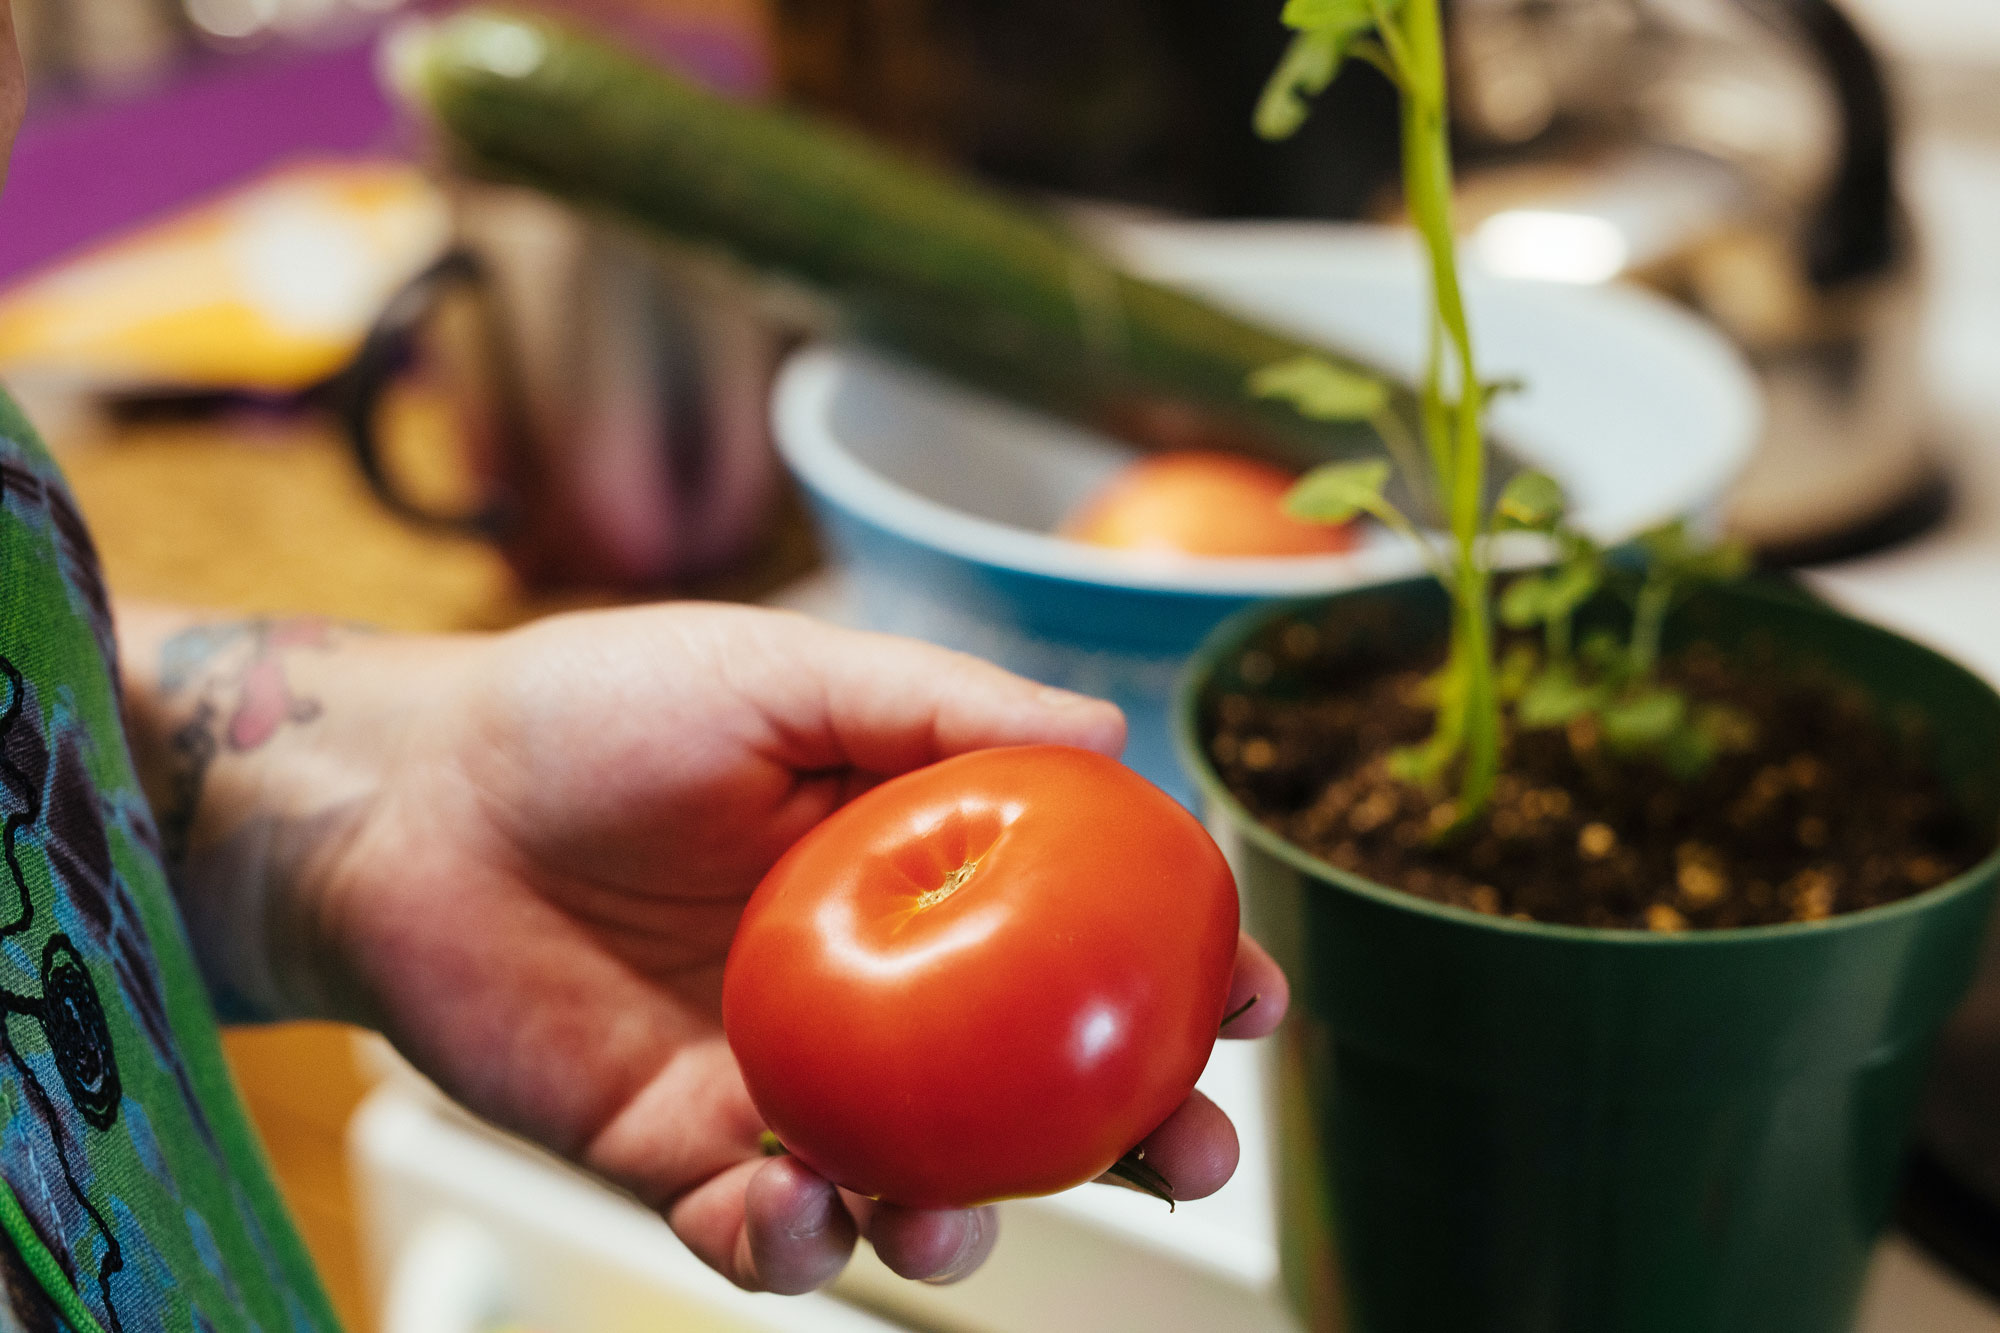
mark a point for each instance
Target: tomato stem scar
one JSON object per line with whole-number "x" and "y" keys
{"x": 952, "y": 883}
{"x": 768, "y": 1142}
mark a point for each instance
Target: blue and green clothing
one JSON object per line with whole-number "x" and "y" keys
{"x": 133, "y": 1194}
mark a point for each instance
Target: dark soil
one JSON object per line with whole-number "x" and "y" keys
{"x": 1828, "y": 810}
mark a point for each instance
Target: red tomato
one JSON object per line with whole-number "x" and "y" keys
{"x": 985, "y": 979}
{"x": 1198, "y": 503}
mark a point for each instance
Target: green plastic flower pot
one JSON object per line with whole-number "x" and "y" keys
{"x": 1495, "y": 1126}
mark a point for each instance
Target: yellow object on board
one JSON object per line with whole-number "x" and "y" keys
{"x": 269, "y": 289}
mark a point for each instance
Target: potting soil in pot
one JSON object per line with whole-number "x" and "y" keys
{"x": 1825, "y": 807}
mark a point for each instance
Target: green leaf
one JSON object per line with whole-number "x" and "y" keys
{"x": 1525, "y": 602}
{"x": 1532, "y": 502}
{"x": 1554, "y": 697}
{"x": 1344, "y": 16}
{"x": 1326, "y": 32}
{"x": 1319, "y": 389}
{"x": 1308, "y": 66}
{"x": 1721, "y": 563}
{"x": 1712, "y": 730}
{"x": 1517, "y": 669}
{"x": 1687, "y": 753}
{"x": 1577, "y": 546}
{"x": 1574, "y": 583}
{"x": 1602, "y": 650}
{"x": 1686, "y": 558}
{"x": 1337, "y": 492}
{"x": 1644, "y": 722}
{"x": 1417, "y": 765}
{"x": 1533, "y": 599}
{"x": 1668, "y": 544}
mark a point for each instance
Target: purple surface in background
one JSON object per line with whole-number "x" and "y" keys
{"x": 83, "y": 172}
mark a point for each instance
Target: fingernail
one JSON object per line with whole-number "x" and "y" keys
{"x": 1057, "y": 698}
{"x": 814, "y": 1218}
{"x": 975, "y": 1224}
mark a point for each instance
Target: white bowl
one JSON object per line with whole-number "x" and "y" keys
{"x": 939, "y": 500}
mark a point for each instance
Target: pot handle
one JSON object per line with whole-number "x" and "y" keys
{"x": 356, "y": 394}
{"x": 1852, "y": 232}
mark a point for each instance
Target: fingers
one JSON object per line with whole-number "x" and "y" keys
{"x": 887, "y": 705}
{"x": 776, "y": 1226}
{"x": 1195, "y": 1150}
{"x": 768, "y": 1225}
{"x": 937, "y": 1246}
{"x": 773, "y": 1225}
{"x": 1256, "y": 975}
{"x": 798, "y": 1233}
{"x": 789, "y": 1231}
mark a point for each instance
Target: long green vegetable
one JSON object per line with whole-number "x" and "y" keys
{"x": 984, "y": 286}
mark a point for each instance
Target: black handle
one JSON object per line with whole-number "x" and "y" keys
{"x": 1852, "y": 232}
{"x": 356, "y": 394}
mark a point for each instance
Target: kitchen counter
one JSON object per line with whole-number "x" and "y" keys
{"x": 274, "y": 518}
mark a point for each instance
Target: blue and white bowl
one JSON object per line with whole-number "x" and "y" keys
{"x": 939, "y": 502}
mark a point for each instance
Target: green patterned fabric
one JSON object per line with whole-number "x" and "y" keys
{"x": 136, "y": 1195}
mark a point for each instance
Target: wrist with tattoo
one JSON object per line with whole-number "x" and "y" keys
{"x": 230, "y": 683}
{"x": 252, "y": 740}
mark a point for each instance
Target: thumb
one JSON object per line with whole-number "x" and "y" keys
{"x": 885, "y": 705}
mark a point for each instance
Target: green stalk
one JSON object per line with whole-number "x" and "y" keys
{"x": 1407, "y": 41}
{"x": 1556, "y": 638}
{"x": 1456, "y": 438}
{"x": 1649, "y": 619}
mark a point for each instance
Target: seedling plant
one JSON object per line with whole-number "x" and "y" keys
{"x": 1441, "y": 460}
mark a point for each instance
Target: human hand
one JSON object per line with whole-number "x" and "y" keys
{"x": 523, "y": 858}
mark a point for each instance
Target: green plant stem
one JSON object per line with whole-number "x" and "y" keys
{"x": 1433, "y": 416}
{"x": 1649, "y": 618}
{"x": 1376, "y": 54}
{"x": 1406, "y": 453}
{"x": 1448, "y": 734}
{"x": 1394, "y": 519}
{"x": 1392, "y": 41}
{"x": 1556, "y": 638}
{"x": 1457, "y": 442}
{"x": 1482, "y": 701}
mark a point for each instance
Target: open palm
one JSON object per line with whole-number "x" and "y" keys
{"x": 538, "y": 899}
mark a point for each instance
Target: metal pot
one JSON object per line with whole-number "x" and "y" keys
{"x": 612, "y": 394}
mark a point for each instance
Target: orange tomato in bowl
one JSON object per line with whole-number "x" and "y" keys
{"x": 1202, "y": 503}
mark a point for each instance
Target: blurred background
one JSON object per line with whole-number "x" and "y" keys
{"x": 233, "y": 292}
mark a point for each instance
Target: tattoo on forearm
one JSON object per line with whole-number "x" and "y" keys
{"x": 193, "y": 749}
{"x": 240, "y": 699}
